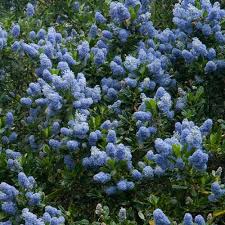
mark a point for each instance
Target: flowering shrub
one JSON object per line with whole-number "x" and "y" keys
{"x": 103, "y": 107}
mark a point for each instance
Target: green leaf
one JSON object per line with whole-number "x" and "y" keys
{"x": 106, "y": 210}
{"x": 54, "y": 71}
{"x": 152, "y": 106}
{"x": 84, "y": 222}
{"x": 199, "y": 93}
{"x": 219, "y": 213}
{"x": 46, "y": 148}
{"x": 141, "y": 215}
{"x": 153, "y": 200}
{"x": 177, "y": 150}
{"x": 179, "y": 187}
{"x": 46, "y": 132}
{"x": 132, "y": 13}
{"x": 2, "y": 216}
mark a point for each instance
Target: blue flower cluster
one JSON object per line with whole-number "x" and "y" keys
{"x": 161, "y": 219}
{"x": 217, "y": 192}
{"x": 206, "y": 19}
{"x": 8, "y": 134}
{"x": 3, "y": 38}
{"x": 171, "y": 153}
{"x": 61, "y": 104}
{"x": 10, "y": 200}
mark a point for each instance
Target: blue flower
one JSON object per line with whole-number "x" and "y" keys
{"x": 9, "y": 208}
{"x": 72, "y": 145}
{"x": 26, "y": 182}
{"x": 83, "y": 50}
{"x": 216, "y": 189}
{"x": 93, "y": 138}
{"x": 49, "y": 50}
{"x": 136, "y": 175}
{"x": 147, "y": 84}
{"x": 76, "y": 6}
{"x": 155, "y": 67}
{"x": 111, "y": 150}
{"x": 144, "y": 133}
{"x": 131, "y": 63}
{"x": 66, "y": 131}
{"x": 30, "y": 50}
{"x": 30, "y": 10}
{"x": 142, "y": 116}
{"x": 180, "y": 163}
{"x": 5, "y": 140}
{"x": 106, "y": 125}
{"x": 181, "y": 103}
{"x": 118, "y": 12}
{"x": 117, "y": 69}
{"x": 9, "y": 119}
{"x": 148, "y": 172}
{"x": 116, "y": 107}
{"x": 217, "y": 192}
{"x": 34, "y": 89}
{"x": 160, "y": 218}
{"x": 147, "y": 29}
{"x": 124, "y": 185}
{"x": 123, "y": 35}
{"x": 193, "y": 138}
{"x": 102, "y": 177}
{"x": 16, "y": 46}
{"x": 98, "y": 158}
{"x": 211, "y": 54}
{"x": 111, "y": 190}
{"x": 58, "y": 37}
{"x": 199, "y": 160}
{"x": 220, "y": 37}
{"x": 63, "y": 66}
{"x": 158, "y": 171}
{"x": 52, "y": 211}
{"x": 199, "y": 47}
{"x": 8, "y": 192}
{"x": 12, "y": 154}
{"x": 163, "y": 147}
{"x": 206, "y": 127}
{"x": 33, "y": 198}
{"x": 30, "y": 218}
{"x": 32, "y": 35}
{"x": 55, "y": 128}
{"x": 199, "y": 220}
{"x": 41, "y": 34}
{"x": 45, "y": 62}
{"x": 112, "y": 93}
{"x": 150, "y": 155}
{"x": 188, "y": 56}
{"x": 12, "y": 137}
{"x": 99, "y": 57}
{"x": 70, "y": 164}
{"x": 93, "y": 31}
{"x": 188, "y": 220}
{"x": 107, "y": 34}
{"x": 111, "y": 137}
{"x": 131, "y": 82}
{"x": 206, "y": 30}
{"x": 15, "y": 30}
{"x": 55, "y": 144}
{"x": 210, "y": 67}
{"x": 69, "y": 59}
{"x": 99, "y": 18}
